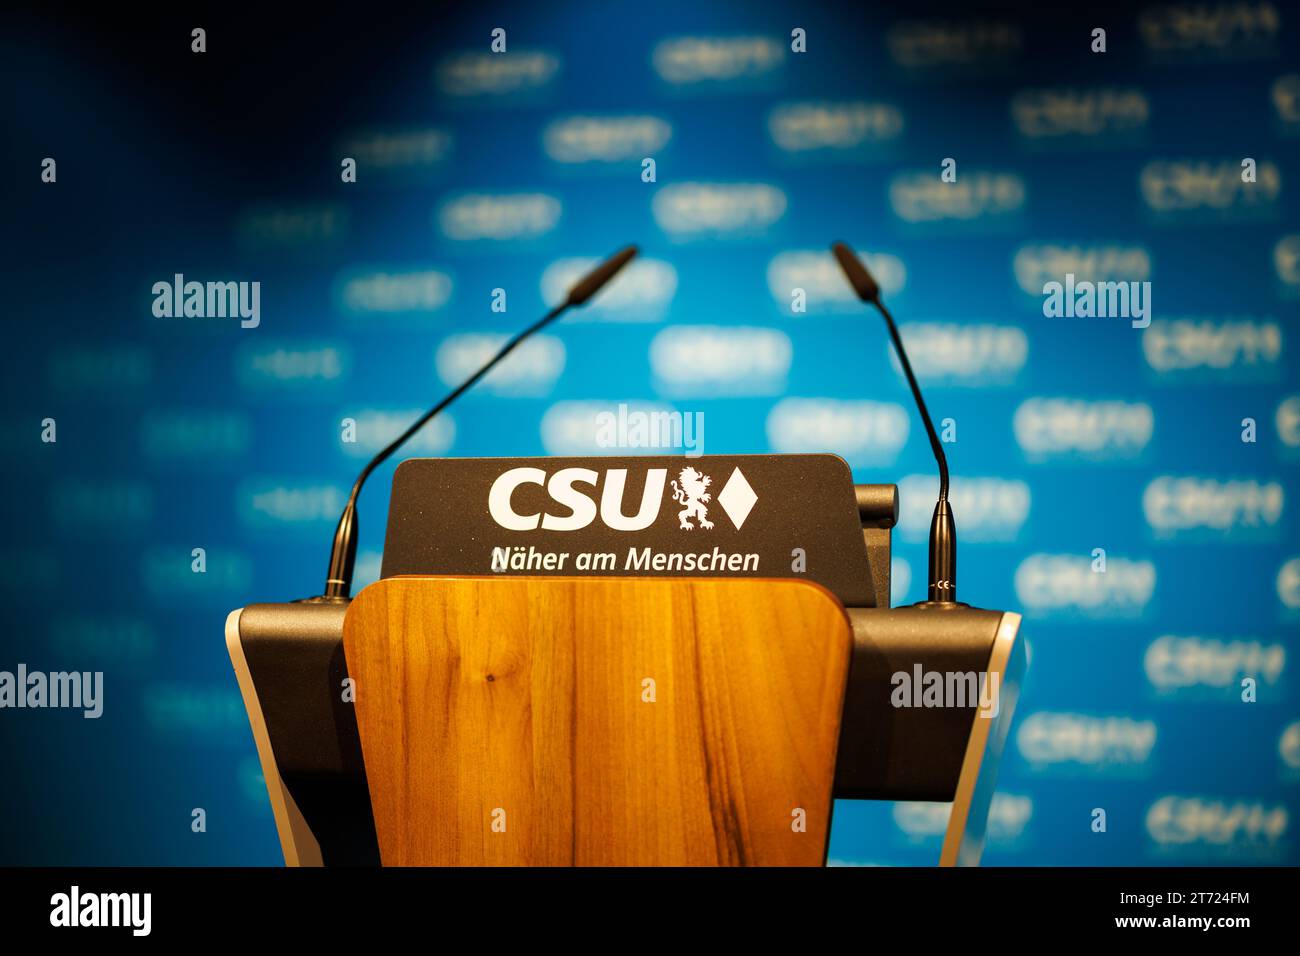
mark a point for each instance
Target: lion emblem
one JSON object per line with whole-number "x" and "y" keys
{"x": 693, "y": 493}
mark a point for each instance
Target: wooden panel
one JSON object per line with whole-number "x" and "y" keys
{"x": 507, "y": 721}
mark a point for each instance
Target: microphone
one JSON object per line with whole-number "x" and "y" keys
{"x": 338, "y": 580}
{"x": 943, "y": 530}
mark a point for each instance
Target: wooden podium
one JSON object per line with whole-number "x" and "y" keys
{"x": 452, "y": 716}
{"x": 599, "y": 721}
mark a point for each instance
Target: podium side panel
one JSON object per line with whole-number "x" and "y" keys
{"x": 296, "y": 840}
{"x": 963, "y": 843}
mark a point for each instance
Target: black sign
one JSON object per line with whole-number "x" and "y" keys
{"x": 777, "y": 516}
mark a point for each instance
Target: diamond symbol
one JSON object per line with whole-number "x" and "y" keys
{"x": 737, "y": 498}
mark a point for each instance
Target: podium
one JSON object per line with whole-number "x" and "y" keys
{"x": 512, "y": 719}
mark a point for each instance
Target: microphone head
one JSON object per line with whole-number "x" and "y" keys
{"x": 856, "y": 273}
{"x": 594, "y": 280}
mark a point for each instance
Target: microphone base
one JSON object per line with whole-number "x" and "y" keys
{"x": 324, "y": 599}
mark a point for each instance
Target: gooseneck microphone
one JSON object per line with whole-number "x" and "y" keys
{"x": 338, "y": 581}
{"x": 943, "y": 530}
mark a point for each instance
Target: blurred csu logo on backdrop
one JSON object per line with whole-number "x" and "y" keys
{"x": 1229, "y": 828}
{"x": 1069, "y": 585}
{"x": 1063, "y": 428}
{"x": 1074, "y": 743}
{"x": 1212, "y": 668}
{"x": 1188, "y": 505}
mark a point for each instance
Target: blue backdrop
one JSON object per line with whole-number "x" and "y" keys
{"x": 1123, "y": 485}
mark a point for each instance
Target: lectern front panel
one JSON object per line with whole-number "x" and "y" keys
{"x": 598, "y": 722}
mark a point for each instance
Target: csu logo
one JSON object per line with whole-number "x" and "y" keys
{"x": 690, "y": 489}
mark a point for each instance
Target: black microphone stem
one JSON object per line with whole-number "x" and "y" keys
{"x": 338, "y": 580}
{"x": 460, "y": 389}
{"x": 935, "y": 444}
{"x": 943, "y": 530}
{"x": 343, "y": 555}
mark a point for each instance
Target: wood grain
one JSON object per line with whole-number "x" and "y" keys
{"x": 520, "y": 701}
